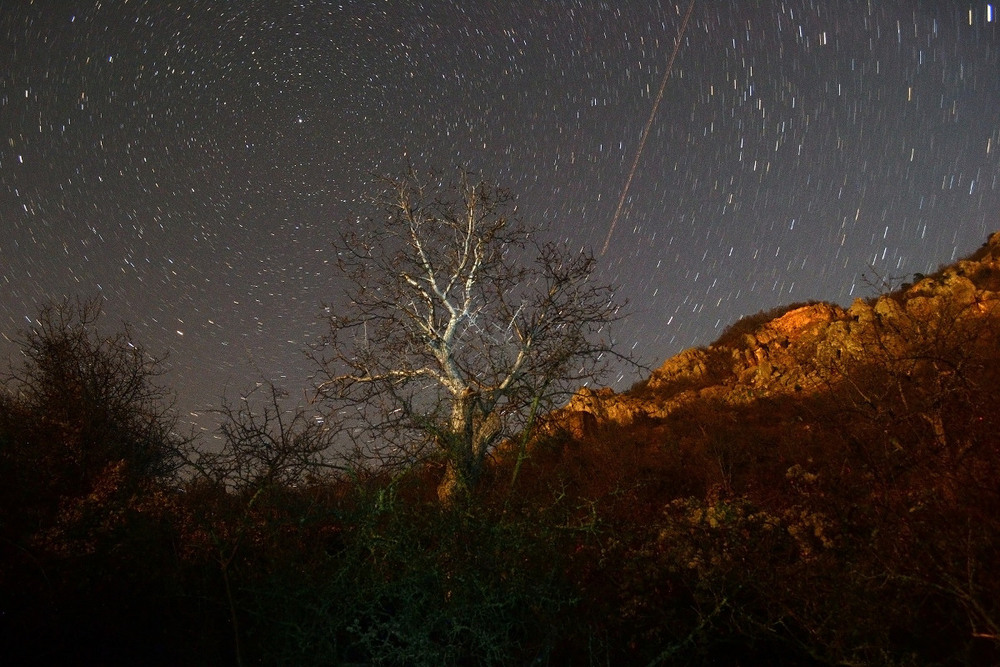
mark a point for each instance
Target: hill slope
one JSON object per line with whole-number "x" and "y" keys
{"x": 821, "y": 477}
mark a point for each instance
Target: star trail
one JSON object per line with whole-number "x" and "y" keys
{"x": 191, "y": 162}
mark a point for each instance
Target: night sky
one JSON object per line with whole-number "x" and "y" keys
{"x": 192, "y": 161}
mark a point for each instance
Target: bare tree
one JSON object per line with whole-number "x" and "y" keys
{"x": 265, "y": 445}
{"x": 463, "y": 327}
{"x": 267, "y": 449}
{"x": 88, "y": 441}
{"x": 96, "y": 395}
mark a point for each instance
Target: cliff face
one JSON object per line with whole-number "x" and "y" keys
{"x": 924, "y": 331}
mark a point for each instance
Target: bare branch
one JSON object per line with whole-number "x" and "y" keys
{"x": 456, "y": 332}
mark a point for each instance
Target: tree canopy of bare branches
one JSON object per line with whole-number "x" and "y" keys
{"x": 98, "y": 392}
{"x": 463, "y": 326}
{"x": 265, "y": 445}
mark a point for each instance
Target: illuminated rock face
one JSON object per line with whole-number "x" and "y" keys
{"x": 806, "y": 348}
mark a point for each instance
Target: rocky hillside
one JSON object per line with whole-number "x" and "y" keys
{"x": 927, "y": 331}
{"x": 819, "y": 477}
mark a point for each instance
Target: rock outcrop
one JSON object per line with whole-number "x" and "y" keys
{"x": 805, "y": 348}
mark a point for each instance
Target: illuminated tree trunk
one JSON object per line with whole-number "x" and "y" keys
{"x": 474, "y": 427}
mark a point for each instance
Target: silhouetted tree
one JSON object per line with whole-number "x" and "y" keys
{"x": 82, "y": 402}
{"x": 88, "y": 442}
{"x": 463, "y": 326}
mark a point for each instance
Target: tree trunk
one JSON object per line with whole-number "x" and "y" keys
{"x": 473, "y": 430}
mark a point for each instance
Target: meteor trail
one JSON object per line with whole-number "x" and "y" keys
{"x": 649, "y": 124}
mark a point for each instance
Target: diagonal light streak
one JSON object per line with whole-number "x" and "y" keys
{"x": 649, "y": 124}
